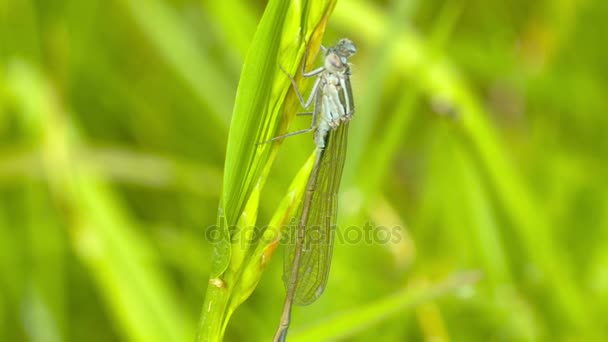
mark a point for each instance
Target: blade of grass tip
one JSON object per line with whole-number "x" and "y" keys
{"x": 259, "y": 168}
{"x": 345, "y": 325}
{"x": 246, "y": 222}
{"x": 260, "y": 99}
{"x": 250, "y": 106}
{"x": 257, "y": 114}
{"x": 439, "y": 78}
{"x": 160, "y": 23}
{"x": 120, "y": 260}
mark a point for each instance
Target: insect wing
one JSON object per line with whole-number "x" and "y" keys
{"x": 317, "y": 246}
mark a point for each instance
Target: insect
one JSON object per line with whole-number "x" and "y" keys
{"x": 308, "y": 258}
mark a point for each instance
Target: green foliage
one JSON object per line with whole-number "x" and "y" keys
{"x": 132, "y": 178}
{"x": 259, "y": 104}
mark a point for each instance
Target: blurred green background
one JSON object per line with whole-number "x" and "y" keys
{"x": 480, "y": 130}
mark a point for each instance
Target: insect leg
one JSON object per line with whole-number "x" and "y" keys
{"x": 315, "y": 71}
{"x": 314, "y": 91}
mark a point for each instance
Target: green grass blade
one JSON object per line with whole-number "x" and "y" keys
{"x": 258, "y": 113}
{"x": 178, "y": 47}
{"x": 347, "y": 324}
{"x": 119, "y": 258}
{"x": 440, "y": 79}
{"x": 237, "y": 19}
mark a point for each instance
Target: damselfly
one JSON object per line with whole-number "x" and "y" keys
{"x": 308, "y": 258}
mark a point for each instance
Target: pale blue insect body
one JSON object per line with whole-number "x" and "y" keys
{"x": 307, "y": 262}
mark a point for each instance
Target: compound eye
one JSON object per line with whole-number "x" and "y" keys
{"x": 335, "y": 61}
